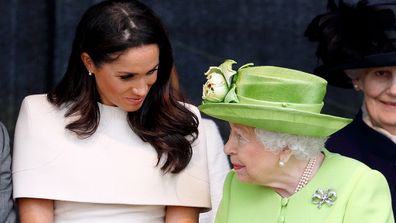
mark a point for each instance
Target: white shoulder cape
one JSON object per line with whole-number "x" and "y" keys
{"x": 112, "y": 166}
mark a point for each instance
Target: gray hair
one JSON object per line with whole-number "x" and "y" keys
{"x": 355, "y": 73}
{"x": 302, "y": 147}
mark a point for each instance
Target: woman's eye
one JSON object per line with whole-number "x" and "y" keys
{"x": 241, "y": 139}
{"x": 380, "y": 73}
{"x": 126, "y": 77}
{"x": 152, "y": 71}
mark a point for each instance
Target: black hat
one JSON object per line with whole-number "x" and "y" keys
{"x": 351, "y": 36}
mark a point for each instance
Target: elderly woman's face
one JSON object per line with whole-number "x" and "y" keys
{"x": 379, "y": 88}
{"x": 126, "y": 81}
{"x": 250, "y": 160}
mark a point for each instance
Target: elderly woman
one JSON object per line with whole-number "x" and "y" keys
{"x": 281, "y": 170}
{"x": 357, "y": 48}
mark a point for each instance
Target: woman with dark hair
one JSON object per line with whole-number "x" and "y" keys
{"x": 218, "y": 164}
{"x": 357, "y": 48}
{"x": 112, "y": 142}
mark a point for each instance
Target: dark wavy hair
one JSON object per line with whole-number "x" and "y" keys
{"x": 105, "y": 31}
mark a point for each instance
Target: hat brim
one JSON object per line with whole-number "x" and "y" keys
{"x": 275, "y": 119}
{"x": 335, "y": 75}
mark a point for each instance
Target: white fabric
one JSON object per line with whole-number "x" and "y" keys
{"x": 113, "y": 166}
{"x": 76, "y": 212}
{"x": 218, "y": 166}
{"x": 367, "y": 120}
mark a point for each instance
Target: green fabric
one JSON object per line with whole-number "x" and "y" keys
{"x": 315, "y": 108}
{"x": 285, "y": 120}
{"x": 275, "y": 99}
{"x": 362, "y": 197}
{"x": 278, "y": 84}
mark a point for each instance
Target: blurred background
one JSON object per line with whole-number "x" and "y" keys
{"x": 36, "y": 39}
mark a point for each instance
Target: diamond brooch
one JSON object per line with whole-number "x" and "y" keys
{"x": 321, "y": 197}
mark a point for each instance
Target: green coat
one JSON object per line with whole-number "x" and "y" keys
{"x": 362, "y": 196}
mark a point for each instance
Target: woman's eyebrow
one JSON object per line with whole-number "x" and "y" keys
{"x": 154, "y": 68}
{"x": 132, "y": 73}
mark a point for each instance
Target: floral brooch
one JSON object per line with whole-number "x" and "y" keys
{"x": 220, "y": 85}
{"x": 321, "y": 197}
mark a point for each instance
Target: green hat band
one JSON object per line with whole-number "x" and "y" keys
{"x": 315, "y": 108}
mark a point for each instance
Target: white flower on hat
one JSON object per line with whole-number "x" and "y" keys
{"x": 218, "y": 82}
{"x": 215, "y": 88}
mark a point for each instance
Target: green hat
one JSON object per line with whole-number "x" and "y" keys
{"x": 272, "y": 98}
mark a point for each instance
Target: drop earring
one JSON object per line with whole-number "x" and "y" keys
{"x": 281, "y": 163}
{"x": 356, "y": 87}
{"x": 89, "y": 73}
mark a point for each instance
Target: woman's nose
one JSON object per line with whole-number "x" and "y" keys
{"x": 141, "y": 87}
{"x": 392, "y": 85}
{"x": 229, "y": 147}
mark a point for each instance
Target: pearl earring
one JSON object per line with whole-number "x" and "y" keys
{"x": 356, "y": 87}
{"x": 281, "y": 163}
{"x": 89, "y": 73}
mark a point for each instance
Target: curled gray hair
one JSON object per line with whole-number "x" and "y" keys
{"x": 302, "y": 147}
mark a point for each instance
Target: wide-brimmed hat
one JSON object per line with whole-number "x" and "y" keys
{"x": 353, "y": 36}
{"x": 272, "y": 98}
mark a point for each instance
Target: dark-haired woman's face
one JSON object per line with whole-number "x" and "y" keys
{"x": 126, "y": 81}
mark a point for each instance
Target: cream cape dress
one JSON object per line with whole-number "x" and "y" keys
{"x": 113, "y": 170}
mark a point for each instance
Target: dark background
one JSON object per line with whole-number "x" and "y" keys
{"x": 36, "y": 41}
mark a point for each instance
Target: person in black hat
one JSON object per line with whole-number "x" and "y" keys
{"x": 357, "y": 48}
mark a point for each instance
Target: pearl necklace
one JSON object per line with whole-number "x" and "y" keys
{"x": 306, "y": 175}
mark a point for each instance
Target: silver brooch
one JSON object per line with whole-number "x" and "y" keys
{"x": 321, "y": 197}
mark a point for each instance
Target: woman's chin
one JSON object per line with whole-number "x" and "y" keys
{"x": 243, "y": 178}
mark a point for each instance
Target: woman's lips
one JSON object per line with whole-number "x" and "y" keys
{"x": 389, "y": 105}
{"x": 237, "y": 166}
{"x": 135, "y": 101}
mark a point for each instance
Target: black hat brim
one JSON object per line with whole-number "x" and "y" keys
{"x": 336, "y": 76}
